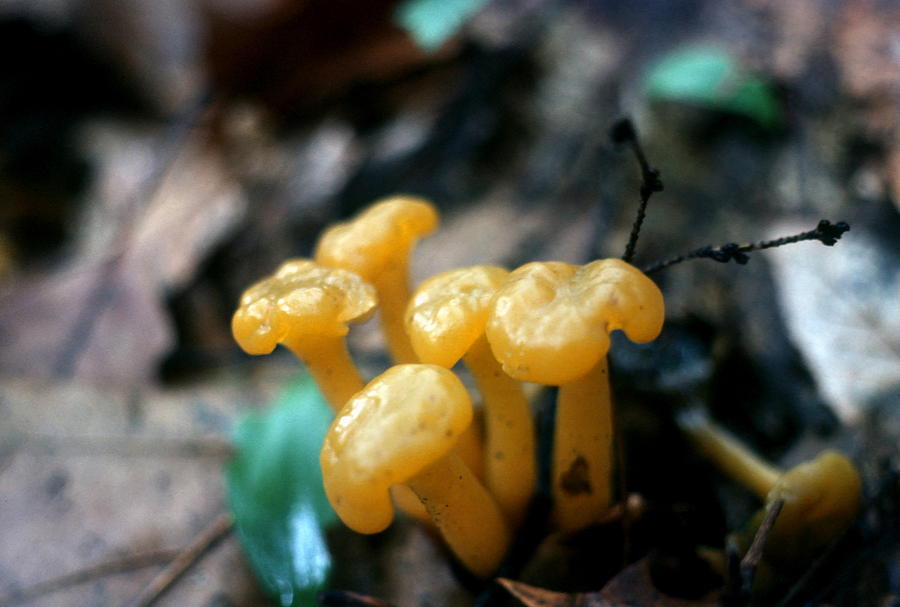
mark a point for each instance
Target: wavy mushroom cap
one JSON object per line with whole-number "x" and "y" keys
{"x": 550, "y": 322}
{"x": 448, "y": 312}
{"x": 821, "y": 499}
{"x": 376, "y": 238}
{"x": 301, "y": 298}
{"x": 403, "y": 421}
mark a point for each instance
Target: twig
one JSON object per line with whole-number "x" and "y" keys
{"x": 825, "y": 232}
{"x": 219, "y": 528}
{"x": 120, "y": 565}
{"x": 623, "y": 132}
{"x": 751, "y": 560}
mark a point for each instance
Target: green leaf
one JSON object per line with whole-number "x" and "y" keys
{"x": 711, "y": 77}
{"x": 433, "y": 22}
{"x": 274, "y": 487}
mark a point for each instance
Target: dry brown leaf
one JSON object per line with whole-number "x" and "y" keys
{"x": 90, "y": 475}
{"x": 633, "y": 587}
{"x": 865, "y": 33}
{"x": 291, "y": 55}
{"x": 865, "y": 51}
{"x": 532, "y": 596}
{"x": 103, "y": 321}
{"x": 158, "y": 44}
{"x": 101, "y": 316}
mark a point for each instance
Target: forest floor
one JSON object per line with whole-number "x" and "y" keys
{"x": 155, "y": 161}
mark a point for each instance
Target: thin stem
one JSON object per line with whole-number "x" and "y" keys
{"x": 582, "y": 454}
{"x": 328, "y": 361}
{"x": 393, "y": 295}
{"x": 623, "y": 131}
{"x": 466, "y": 514}
{"x": 825, "y": 232}
{"x": 510, "y": 467}
{"x": 729, "y": 454}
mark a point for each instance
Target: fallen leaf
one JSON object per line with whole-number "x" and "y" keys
{"x": 532, "y": 596}
{"x": 713, "y": 78}
{"x": 101, "y": 316}
{"x": 433, "y": 22}
{"x": 843, "y": 312}
{"x": 89, "y": 475}
{"x": 101, "y": 321}
{"x": 865, "y": 51}
{"x": 633, "y": 587}
{"x": 276, "y": 495}
{"x": 158, "y": 45}
{"x": 293, "y": 55}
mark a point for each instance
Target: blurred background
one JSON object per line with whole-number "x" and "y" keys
{"x": 156, "y": 158}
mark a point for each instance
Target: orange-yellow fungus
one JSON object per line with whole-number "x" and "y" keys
{"x": 550, "y": 324}
{"x": 377, "y": 245}
{"x": 402, "y": 428}
{"x": 821, "y": 499}
{"x": 821, "y": 496}
{"x": 307, "y": 307}
{"x": 445, "y": 321}
{"x": 728, "y": 453}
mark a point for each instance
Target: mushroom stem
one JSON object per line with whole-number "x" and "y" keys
{"x": 729, "y": 454}
{"x": 467, "y": 516}
{"x": 582, "y": 453}
{"x": 328, "y": 361}
{"x": 392, "y": 285}
{"x": 510, "y": 455}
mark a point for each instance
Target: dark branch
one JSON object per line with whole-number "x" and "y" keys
{"x": 754, "y": 554}
{"x": 825, "y": 232}
{"x": 623, "y": 132}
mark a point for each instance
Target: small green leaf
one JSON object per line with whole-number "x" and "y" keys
{"x": 274, "y": 486}
{"x": 433, "y": 22}
{"x": 711, "y": 77}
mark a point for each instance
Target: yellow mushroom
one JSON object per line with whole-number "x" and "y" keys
{"x": 445, "y": 321}
{"x": 377, "y": 245}
{"x": 821, "y": 497}
{"x": 402, "y": 428}
{"x": 550, "y": 323}
{"x": 306, "y": 307}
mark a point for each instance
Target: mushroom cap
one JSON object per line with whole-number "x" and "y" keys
{"x": 550, "y": 322}
{"x": 403, "y": 421}
{"x": 300, "y": 298}
{"x": 821, "y": 499}
{"x": 448, "y": 312}
{"x": 377, "y": 237}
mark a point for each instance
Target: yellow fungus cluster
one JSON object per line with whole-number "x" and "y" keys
{"x": 401, "y": 435}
